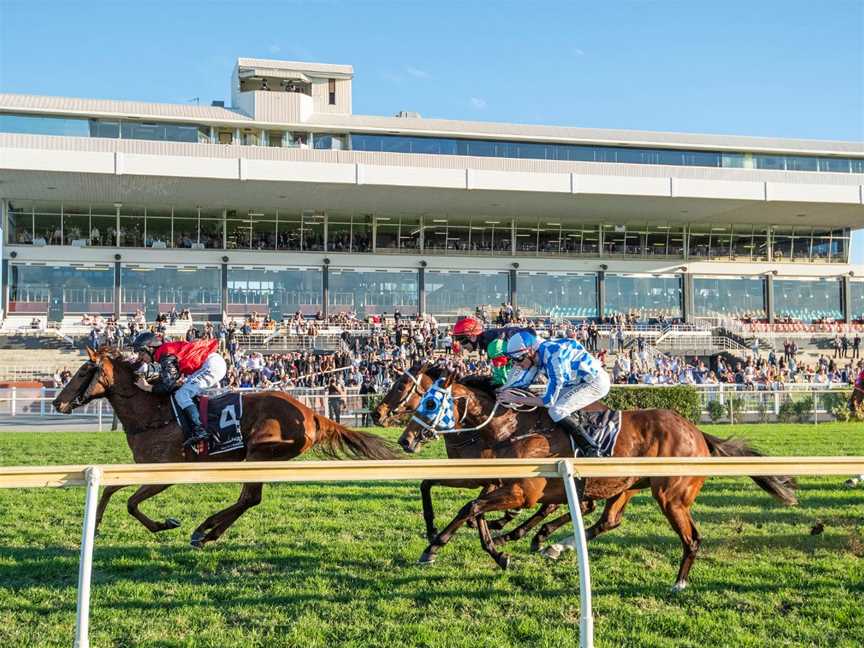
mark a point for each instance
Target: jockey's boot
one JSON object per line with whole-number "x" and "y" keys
{"x": 573, "y": 426}
{"x": 198, "y": 431}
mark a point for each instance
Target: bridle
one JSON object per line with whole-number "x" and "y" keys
{"x": 79, "y": 399}
{"x": 416, "y": 387}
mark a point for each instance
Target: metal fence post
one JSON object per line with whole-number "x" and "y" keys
{"x": 93, "y": 475}
{"x": 42, "y": 401}
{"x": 99, "y": 413}
{"x": 14, "y": 394}
{"x": 586, "y": 620}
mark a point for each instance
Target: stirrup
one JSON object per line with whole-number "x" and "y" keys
{"x": 196, "y": 438}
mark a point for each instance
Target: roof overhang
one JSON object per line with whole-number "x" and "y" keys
{"x": 256, "y": 73}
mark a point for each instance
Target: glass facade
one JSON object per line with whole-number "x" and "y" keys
{"x": 93, "y": 225}
{"x": 157, "y": 289}
{"x": 808, "y": 299}
{"x": 452, "y": 293}
{"x": 856, "y": 299}
{"x": 204, "y": 133}
{"x": 275, "y": 290}
{"x": 616, "y": 154}
{"x": 372, "y": 292}
{"x": 61, "y": 290}
{"x": 567, "y": 295}
{"x": 648, "y": 296}
{"x": 737, "y": 297}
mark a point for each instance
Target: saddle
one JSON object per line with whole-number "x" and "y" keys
{"x": 220, "y": 415}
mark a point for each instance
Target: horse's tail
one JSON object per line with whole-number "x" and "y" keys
{"x": 781, "y": 488}
{"x": 336, "y": 441}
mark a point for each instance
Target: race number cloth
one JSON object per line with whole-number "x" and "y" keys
{"x": 603, "y": 427}
{"x": 221, "y": 416}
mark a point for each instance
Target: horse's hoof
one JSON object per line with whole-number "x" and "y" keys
{"x": 197, "y": 540}
{"x": 536, "y": 544}
{"x": 503, "y": 561}
{"x": 851, "y": 483}
{"x": 680, "y": 586}
{"x": 426, "y": 559}
{"x": 552, "y": 552}
{"x": 170, "y": 523}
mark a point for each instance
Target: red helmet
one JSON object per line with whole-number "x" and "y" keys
{"x": 468, "y": 326}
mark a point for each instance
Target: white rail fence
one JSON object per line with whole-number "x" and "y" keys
{"x": 335, "y": 471}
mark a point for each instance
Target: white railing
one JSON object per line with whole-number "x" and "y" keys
{"x": 335, "y": 471}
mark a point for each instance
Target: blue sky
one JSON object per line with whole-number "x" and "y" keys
{"x": 772, "y": 67}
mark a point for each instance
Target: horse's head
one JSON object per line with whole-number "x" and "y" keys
{"x": 94, "y": 379}
{"x": 435, "y": 413}
{"x": 404, "y": 396}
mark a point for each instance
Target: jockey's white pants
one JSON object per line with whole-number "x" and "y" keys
{"x": 575, "y": 397}
{"x": 208, "y": 376}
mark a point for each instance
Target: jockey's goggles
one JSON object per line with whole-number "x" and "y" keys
{"x": 518, "y": 356}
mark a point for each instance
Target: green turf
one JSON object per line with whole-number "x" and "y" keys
{"x": 334, "y": 565}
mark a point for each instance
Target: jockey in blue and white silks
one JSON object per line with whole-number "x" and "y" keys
{"x": 576, "y": 379}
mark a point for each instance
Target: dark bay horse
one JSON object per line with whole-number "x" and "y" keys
{"x": 644, "y": 433}
{"x": 275, "y": 427}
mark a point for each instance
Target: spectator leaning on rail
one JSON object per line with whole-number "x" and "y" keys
{"x": 576, "y": 379}
{"x": 194, "y": 366}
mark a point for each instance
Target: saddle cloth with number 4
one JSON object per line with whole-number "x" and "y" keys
{"x": 220, "y": 414}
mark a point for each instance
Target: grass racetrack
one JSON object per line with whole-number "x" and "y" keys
{"x": 320, "y": 565}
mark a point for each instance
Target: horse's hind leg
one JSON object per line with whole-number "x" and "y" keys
{"x": 107, "y": 492}
{"x": 504, "y": 520}
{"x": 586, "y": 506}
{"x": 522, "y": 530}
{"x": 675, "y": 495}
{"x": 610, "y": 519}
{"x": 218, "y": 523}
{"x": 144, "y": 493}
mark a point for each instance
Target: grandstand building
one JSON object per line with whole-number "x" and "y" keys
{"x": 288, "y": 201}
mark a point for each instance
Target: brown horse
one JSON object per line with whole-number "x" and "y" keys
{"x": 644, "y": 433}
{"x": 275, "y": 427}
{"x": 402, "y": 399}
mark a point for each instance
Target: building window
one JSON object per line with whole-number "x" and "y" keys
{"x": 331, "y": 91}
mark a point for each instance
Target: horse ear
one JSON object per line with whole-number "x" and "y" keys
{"x": 449, "y": 380}
{"x": 91, "y": 354}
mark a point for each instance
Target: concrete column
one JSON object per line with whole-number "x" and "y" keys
{"x": 325, "y": 297}
{"x": 601, "y": 294}
{"x": 224, "y": 289}
{"x": 847, "y": 299}
{"x": 769, "y": 297}
{"x": 4, "y": 295}
{"x": 688, "y": 294}
{"x": 421, "y": 290}
{"x": 117, "y": 291}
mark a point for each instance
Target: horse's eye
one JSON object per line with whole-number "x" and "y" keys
{"x": 430, "y": 405}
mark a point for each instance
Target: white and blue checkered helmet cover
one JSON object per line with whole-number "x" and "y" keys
{"x": 437, "y": 405}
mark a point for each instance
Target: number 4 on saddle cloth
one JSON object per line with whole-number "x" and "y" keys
{"x": 220, "y": 415}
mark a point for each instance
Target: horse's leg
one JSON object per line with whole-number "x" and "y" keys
{"x": 500, "y": 499}
{"x": 522, "y": 530}
{"x": 610, "y": 519}
{"x": 504, "y": 520}
{"x": 675, "y": 495}
{"x": 586, "y": 506}
{"x": 219, "y": 522}
{"x": 502, "y": 559}
{"x": 145, "y": 493}
{"x": 428, "y": 511}
{"x": 107, "y": 492}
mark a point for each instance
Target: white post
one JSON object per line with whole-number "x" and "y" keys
{"x": 85, "y": 565}
{"x": 99, "y": 411}
{"x": 586, "y": 620}
{"x": 42, "y": 401}
{"x": 14, "y": 394}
